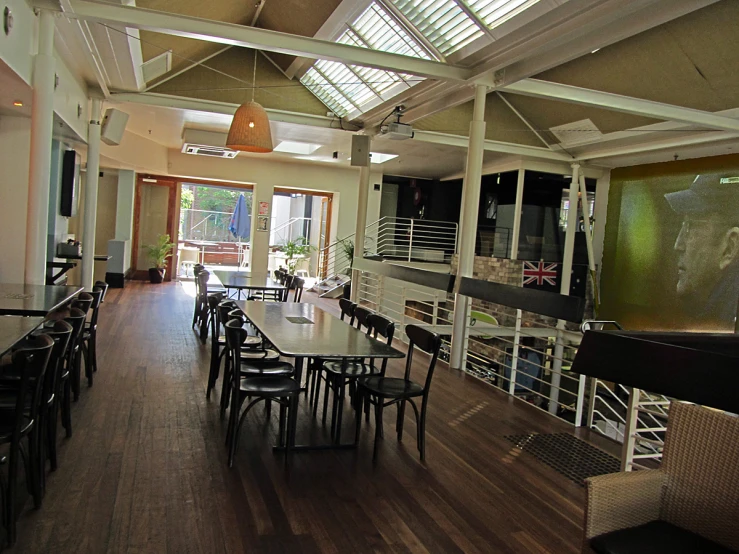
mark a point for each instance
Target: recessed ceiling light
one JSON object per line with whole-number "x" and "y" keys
{"x": 18, "y": 104}
{"x": 380, "y": 158}
{"x": 302, "y": 148}
{"x": 594, "y": 51}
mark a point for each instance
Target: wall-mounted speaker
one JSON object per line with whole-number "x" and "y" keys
{"x": 360, "y": 150}
{"x": 114, "y": 125}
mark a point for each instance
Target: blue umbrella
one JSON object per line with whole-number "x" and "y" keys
{"x": 240, "y": 224}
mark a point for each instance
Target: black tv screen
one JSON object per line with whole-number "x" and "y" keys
{"x": 69, "y": 194}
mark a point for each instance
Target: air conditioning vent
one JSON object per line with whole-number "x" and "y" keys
{"x": 212, "y": 151}
{"x": 576, "y": 133}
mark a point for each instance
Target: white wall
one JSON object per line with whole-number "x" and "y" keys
{"x": 342, "y": 181}
{"x": 15, "y": 137}
{"x": 16, "y": 48}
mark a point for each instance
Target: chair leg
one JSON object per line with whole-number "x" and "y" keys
{"x": 51, "y": 432}
{"x": 326, "y": 384}
{"x": 292, "y": 423}
{"x": 76, "y": 374}
{"x": 401, "y": 417}
{"x": 422, "y": 431}
{"x": 358, "y": 399}
{"x": 224, "y": 387}
{"x": 94, "y": 350}
{"x": 85, "y": 348}
{"x": 378, "y": 426}
{"x": 340, "y": 414}
{"x": 215, "y": 360}
{"x": 281, "y": 431}
{"x": 268, "y": 408}
{"x": 10, "y": 501}
{"x": 316, "y": 391}
{"x": 67, "y": 406}
{"x": 32, "y": 471}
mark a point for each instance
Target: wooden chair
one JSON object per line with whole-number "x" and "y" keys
{"x": 259, "y": 381}
{"x": 88, "y": 342}
{"x": 383, "y": 391}
{"x": 103, "y": 286}
{"x": 339, "y": 373}
{"x": 298, "y": 285}
{"x": 19, "y": 422}
{"x": 689, "y": 505}
{"x": 77, "y": 318}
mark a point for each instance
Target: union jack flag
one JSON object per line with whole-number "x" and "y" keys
{"x": 539, "y": 273}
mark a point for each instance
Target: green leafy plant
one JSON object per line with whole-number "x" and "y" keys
{"x": 160, "y": 251}
{"x": 347, "y": 245}
{"x": 294, "y": 250}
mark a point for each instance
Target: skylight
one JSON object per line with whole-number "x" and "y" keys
{"x": 497, "y": 12}
{"x": 292, "y": 147}
{"x": 441, "y": 22}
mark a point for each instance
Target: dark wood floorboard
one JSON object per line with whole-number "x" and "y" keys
{"x": 146, "y": 471}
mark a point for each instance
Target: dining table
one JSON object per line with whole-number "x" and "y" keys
{"x": 34, "y": 300}
{"x": 301, "y": 330}
{"x": 246, "y": 281}
{"x": 14, "y": 329}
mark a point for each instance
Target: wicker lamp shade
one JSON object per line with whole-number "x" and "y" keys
{"x": 250, "y": 130}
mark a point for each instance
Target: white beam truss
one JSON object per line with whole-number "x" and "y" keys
{"x": 619, "y": 103}
{"x": 262, "y": 39}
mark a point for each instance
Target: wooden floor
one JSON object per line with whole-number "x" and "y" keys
{"x": 146, "y": 468}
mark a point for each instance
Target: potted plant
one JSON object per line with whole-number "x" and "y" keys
{"x": 158, "y": 254}
{"x": 294, "y": 251}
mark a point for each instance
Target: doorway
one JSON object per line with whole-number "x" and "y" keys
{"x": 155, "y": 210}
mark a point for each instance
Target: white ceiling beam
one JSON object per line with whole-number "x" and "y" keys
{"x": 261, "y": 39}
{"x": 625, "y": 104}
{"x": 492, "y": 146}
{"x": 225, "y": 108}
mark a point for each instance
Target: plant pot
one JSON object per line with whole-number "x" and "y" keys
{"x": 156, "y": 274}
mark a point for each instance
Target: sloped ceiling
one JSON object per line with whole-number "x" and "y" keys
{"x": 289, "y": 16}
{"x": 688, "y": 62}
{"x": 274, "y": 90}
{"x": 502, "y": 123}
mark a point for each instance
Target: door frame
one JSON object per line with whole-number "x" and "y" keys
{"x": 172, "y": 218}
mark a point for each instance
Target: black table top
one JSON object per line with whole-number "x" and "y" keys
{"x": 96, "y": 257}
{"x": 327, "y": 336}
{"x": 246, "y": 281}
{"x": 15, "y": 328}
{"x": 28, "y": 300}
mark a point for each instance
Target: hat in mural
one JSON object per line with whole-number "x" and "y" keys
{"x": 713, "y": 193}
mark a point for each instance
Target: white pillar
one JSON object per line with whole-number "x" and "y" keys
{"x": 259, "y": 240}
{"x": 361, "y": 226}
{"x": 468, "y": 225}
{"x": 124, "y": 204}
{"x": 516, "y": 231}
{"x": 91, "y": 195}
{"x": 565, "y": 285}
{"x": 42, "y": 119}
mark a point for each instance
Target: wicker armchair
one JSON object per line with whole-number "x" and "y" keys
{"x": 696, "y": 488}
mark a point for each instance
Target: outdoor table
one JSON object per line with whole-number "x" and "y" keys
{"x": 240, "y": 280}
{"x": 202, "y": 244}
{"x": 33, "y": 300}
{"x": 14, "y": 329}
{"x": 300, "y": 330}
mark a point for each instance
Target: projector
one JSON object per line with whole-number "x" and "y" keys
{"x": 398, "y": 131}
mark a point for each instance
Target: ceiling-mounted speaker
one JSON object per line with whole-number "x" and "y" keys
{"x": 114, "y": 125}
{"x": 360, "y": 150}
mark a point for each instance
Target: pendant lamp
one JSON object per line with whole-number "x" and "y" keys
{"x": 250, "y": 130}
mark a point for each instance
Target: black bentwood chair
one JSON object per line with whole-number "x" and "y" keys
{"x": 384, "y": 391}
{"x": 270, "y": 381}
{"x": 88, "y": 342}
{"x": 29, "y": 361}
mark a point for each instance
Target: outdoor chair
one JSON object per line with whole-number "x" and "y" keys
{"x": 689, "y": 505}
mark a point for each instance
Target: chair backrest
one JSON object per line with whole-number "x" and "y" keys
{"x": 235, "y": 337}
{"x": 214, "y": 301}
{"x": 429, "y": 342}
{"x": 279, "y": 275}
{"x": 103, "y": 286}
{"x": 83, "y": 302}
{"x": 201, "y": 284}
{"x": 224, "y": 307}
{"x": 347, "y": 309}
{"x": 60, "y": 333}
{"x": 31, "y": 359}
{"x": 76, "y": 319}
{"x": 288, "y": 282}
{"x": 361, "y": 316}
{"x": 97, "y": 298}
{"x": 701, "y": 460}
{"x": 298, "y": 285}
{"x": 384, "y": 327}
{"x": 238, "y": 315}
{"x": 197, "y": 268}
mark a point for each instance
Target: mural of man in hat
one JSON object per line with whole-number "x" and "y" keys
{"x": 707, "y": 248}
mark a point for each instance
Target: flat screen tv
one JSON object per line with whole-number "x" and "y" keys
{"x": 69, "y": 194}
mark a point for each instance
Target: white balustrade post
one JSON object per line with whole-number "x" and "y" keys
{"x": 360, "y": 229}
{"x": 39, "y": 181}
{"x": 565, "y": 285}
{"x": 410, "y": 242}
{"x": 468, "y": 226}
{"x": 91, "y": 195}
{"x": 516, "y": 231}
{"x": 632, "y": 418}
{"x": 514, "y": 359}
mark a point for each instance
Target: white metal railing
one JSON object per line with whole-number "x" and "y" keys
{"x": 395, "y": 238}
{"x": 292, "y": 229}
{"x": 205, "y": 225}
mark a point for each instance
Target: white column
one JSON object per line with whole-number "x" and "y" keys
{"x": 259, "y": 240}
{"x": 361, "y": 226}
{"x": 468, "y": 225}
{"x": 124, "y": 204}
{"x": 91, "y": 195}
{"x": 42, "y": 119}
{"x": 516, "y": 231}
{"x": 565, "y": 285}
